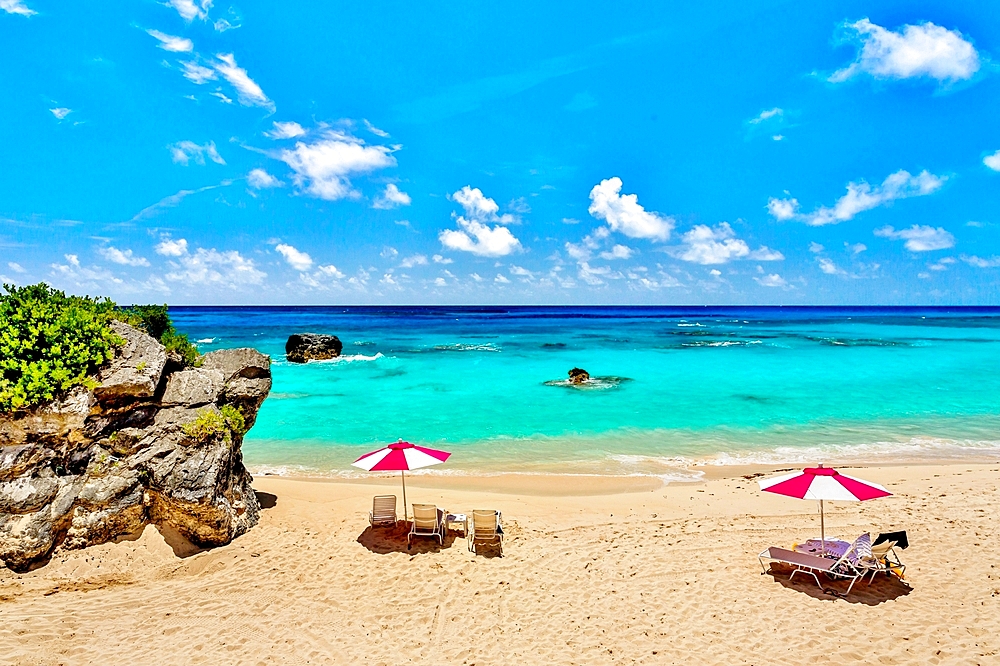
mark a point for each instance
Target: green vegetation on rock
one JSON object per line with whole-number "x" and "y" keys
{"x": 51, "y": 342}
{"x": 228, "y": 421}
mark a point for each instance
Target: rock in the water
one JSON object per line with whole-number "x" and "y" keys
{"x": 97, "y": 465}
{"x": 303, "y": 347}
{"x": 578, "y": 376}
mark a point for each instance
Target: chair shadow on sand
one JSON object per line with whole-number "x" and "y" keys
{"x": 383, "y": 540}
{"x": 883, "y": 588}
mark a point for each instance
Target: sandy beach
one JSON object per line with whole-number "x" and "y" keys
{"x": 596, "y": 570}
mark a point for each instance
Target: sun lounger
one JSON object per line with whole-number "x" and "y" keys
{"x": 427, "y": 522}
{"x": 383, "y": 513}
{"x": 486, "y": 528}
{"x": 885, "y": 560}
{"x": 813, "y": 565}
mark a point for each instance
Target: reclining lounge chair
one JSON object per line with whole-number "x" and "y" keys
{"x": 383, "y": 513}
{"x": 427, "y": 522}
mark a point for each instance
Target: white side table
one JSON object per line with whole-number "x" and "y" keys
{"x": 453, "y": 519}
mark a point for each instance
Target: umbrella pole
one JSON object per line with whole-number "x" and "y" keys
{"x": 403, "y": 476}
{"x": 822, "y": 531}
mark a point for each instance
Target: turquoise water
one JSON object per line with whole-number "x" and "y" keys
{"x": 694, "y": 386}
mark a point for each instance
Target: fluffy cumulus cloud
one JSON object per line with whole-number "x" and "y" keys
{"x": 260, "y": 179}
{"x": 828, "y": 267}
{"x": 123, "y": 257}
{"x": 860, "y": 197}
{"x": 982, "y": 262}
{"x": 993, "y": 161}
{"x": 772, "y": 280}
{"x": 474, "y": 233}
{"x": 249, "y": 93}
{"x": 924, "y": 50}
{"x": 16, "y": 7}
{"x": 623, "y": 213}
{"x": 168, "y": 247}
{"x": 190, "y": 10}
{"x": 210, "y": 267}
{"x": 707, "y": 245}
{"x": 172, "y": 43}
{"x": 286, "y": 130}
{"x": 183, "y": 152}
{"x": 391, "y": 197}
{"x": 919, "y": 238}
{"x": 60, "y": 112}
{"x": 323, "y": 167}
{"x": 297, "y": 259}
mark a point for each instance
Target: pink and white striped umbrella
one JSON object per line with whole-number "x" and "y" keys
{"x": 401, "y": 457}
{"x": 823, "y": 483}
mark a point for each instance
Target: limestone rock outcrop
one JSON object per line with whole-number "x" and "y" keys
{"x": 97, "y": 465}
{"x": 302, "y": 347}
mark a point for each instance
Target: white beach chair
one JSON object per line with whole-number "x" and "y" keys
{"x": 383, "y": 513}
{"x": 427, "y": 522}
{"x": 486, "y": 528}
{"x": 846, "y": 567}
{"x": 884, "y": 559}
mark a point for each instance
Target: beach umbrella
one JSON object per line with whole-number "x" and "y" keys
{"x": 823, "y": 484}
{"x": 401, "y": 457}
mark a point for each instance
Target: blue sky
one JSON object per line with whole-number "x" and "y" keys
{"x": 197, "y": 152}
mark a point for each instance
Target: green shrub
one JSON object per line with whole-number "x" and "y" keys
{"x": 50, "y": 342}
{"x": 227, "y": 422}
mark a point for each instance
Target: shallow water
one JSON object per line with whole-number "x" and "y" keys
{"x": 704, "y": 385}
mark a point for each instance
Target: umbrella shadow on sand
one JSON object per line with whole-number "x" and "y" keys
{"x": 383, "y": 540}
{"x": 883, "y": 588}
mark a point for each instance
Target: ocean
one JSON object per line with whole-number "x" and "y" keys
{"x": 678, "y": 388}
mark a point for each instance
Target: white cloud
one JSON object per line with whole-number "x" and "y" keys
{"x": 942, "y": 264}
{"x": 298, "y": 260}
{"x": 16, "y": 7}
{"x": 60, "y": 112}
{"x": 388, "y": 252}
{"x": 331, "y": 271}
{"x": 570, "y": 220}
{"x": 440, "y": 282}
{"x": 765, "y": 115}
{"x": 123, "y": 257}
{"x": 16, "y": 267}
{"x": 183, "y": 152}
{"x": 980, "y": 262}
{"x": 772, "y": 280}
{"x": 189, "y": 9}
{"x": 323, "y": 168}
{"x": 392, "y": 197}
{"x": 197, "y": 73}
{"x": 476, "y": 276}
{"x": 715, "y": 272}
{"x": 374, "y": 130}
{"x": 919, "y": 238}
{"x": 288, "y": 130}
{"x": 617, "y": 252}
{"x": 214, "y": 268}
{"x": 815, "y": 247}
{"x": 250, "y": 94}
{"x": 764, "y": 253}
{"x": 857, "y": 248}
{"x": 172, "y": 248}
{"x": 623, "y": 212}
{"x": 260, "y": 179}
{"x": 860, "y": 197}
{"x": 415, "y": 260}
{"x": 222, "y": 97}
{"x": 914, "y": 51}
{"x": 501, "y": 279}
{"x": 705, "y": 245}
{"x": 474, "y": 234}
{"x": 778, "y": 137}
{"x": 521, "y": 271}
{"x": 830, "y": 268}
{"x": 438, "y": 259}
{"x": 993, "y": 161}
{"x": 172, "y": 43}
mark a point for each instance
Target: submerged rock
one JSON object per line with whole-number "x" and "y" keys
{"x": 97, "y": 465}
{"x": 302, "y": 347}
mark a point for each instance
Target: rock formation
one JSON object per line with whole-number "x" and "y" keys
{"x": 150, "y": 444}
{"x": 578, "y": 376}
{"x": 303, "y": 347}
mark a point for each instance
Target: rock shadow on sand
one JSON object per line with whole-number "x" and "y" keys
{"x": 266, "y": 500}
{"x": 883, "y": 588}
{"x": 384, "y": 540}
